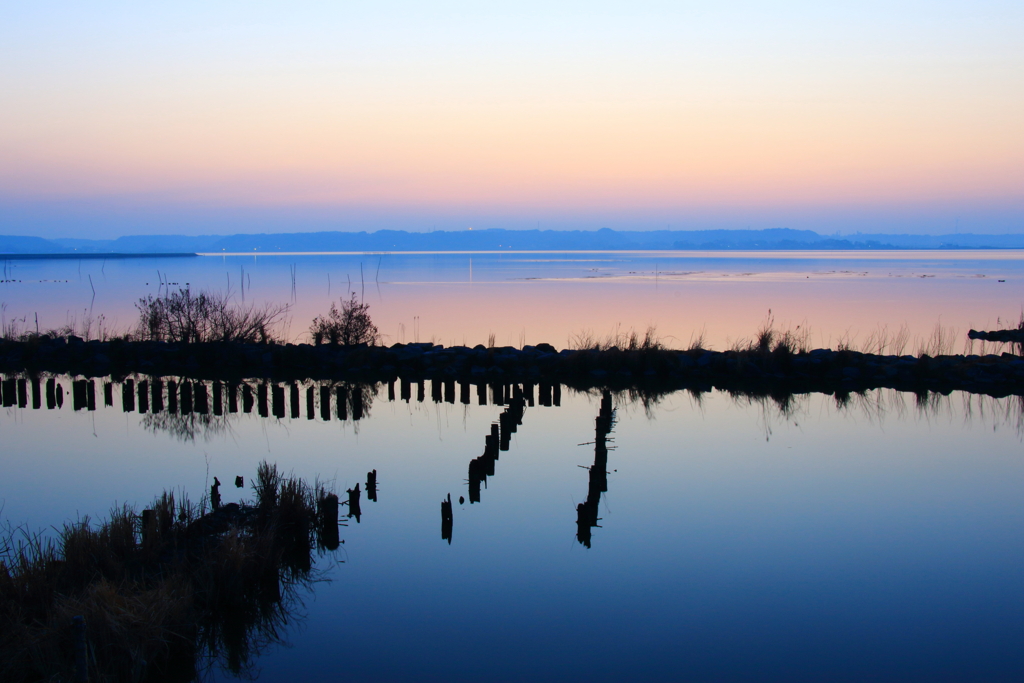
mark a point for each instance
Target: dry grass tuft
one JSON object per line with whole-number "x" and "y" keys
{"x": 884, "y": 342}
{"x": 619, "y": 340}
{"x": 166, "y": 594}
{"x": 780, "y": 343}
{"x": 939, "y": 343}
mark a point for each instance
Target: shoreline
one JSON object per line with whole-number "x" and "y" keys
{"x": 65, "y": 256}
{"x": 648, "y": 370}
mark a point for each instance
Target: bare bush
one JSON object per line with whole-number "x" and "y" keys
{"x": 882, "y": 341}
{"x": 206, "y": 317}
{"x": 88, "y": 327}
{"x": 939, "y": 343}
{"x": 584, "y": 341}
{"x": 347, "y": 327}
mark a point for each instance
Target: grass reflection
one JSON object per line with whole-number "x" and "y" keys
{"x": 167, "y": 594}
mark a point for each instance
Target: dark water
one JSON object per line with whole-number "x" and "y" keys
{"x": 603, "y": 537}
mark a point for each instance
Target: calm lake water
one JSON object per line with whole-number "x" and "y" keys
{"x": 550, "y": 297}
{"x": 738, "y": 539}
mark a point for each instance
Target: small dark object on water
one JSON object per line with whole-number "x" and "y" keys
{"x": 371, "y": 485}
{"x": 353, "y": 503}
{"x": 446, "y": 519}
{"x": 462, "y": 500}
{"x": 327, "y": 508}
{"x": 239, "y": 482}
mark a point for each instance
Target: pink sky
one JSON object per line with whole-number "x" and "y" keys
{"x": 589, "y": 115}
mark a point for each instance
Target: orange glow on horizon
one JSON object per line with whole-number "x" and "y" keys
{"x": 762, "y": 111}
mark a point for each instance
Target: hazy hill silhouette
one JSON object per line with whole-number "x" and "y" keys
{"x": 502, "y": 240}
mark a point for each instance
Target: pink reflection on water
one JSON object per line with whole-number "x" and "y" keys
{"x": 546, "y": 297}
{"x": 727, "y": 309}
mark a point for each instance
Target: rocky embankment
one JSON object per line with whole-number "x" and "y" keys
{"x": 821, "y": 370}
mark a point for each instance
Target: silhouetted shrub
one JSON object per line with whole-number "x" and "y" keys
{"x": 351, "y": 325}
{"x": 768, "y": 340}
{"x": 186, "y": 317}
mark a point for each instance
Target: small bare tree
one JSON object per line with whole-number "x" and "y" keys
{"x": 351, "y": 325}
{"x": 205, "y": 317}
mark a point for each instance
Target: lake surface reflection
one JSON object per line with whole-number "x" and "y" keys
{"x": 587, "y": 536}
{"x": 530, "y": 297}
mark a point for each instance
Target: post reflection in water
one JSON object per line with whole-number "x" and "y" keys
{"x": 353, "y": 503}
{"x": 447, "y": 519}
{"x": 500, "y": 436}
{"x": 371, "y": 486}
{"x": 195, "y": 408}
{"x": 587, "y": 511}
{"x": 189, "y": 409}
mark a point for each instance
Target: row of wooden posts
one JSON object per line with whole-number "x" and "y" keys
{"x": 187, "y": 396}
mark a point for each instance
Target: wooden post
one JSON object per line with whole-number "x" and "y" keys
{"x": 329, "y": 522}
{"x": 201, "y": 398}
{"x": 446, "y": 519}
{"x": 357, "y": 403}
{"x": 325, "y": 403}
{"x": 157, "y": 391}
{"x": 342, "y": 394}
{"x": 218, "y": 398}
{"x": 277, "y": 396}
{"x": 261, "y": 400}
{"x": 143, "y": 396}
{"x": 185, "y": 404}
{"x": 127, "y": 396}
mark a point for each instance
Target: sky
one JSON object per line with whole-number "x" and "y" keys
{"x": 202, "y": 117}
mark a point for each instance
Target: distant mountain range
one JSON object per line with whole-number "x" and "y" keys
{"x": 490, "y": 240}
